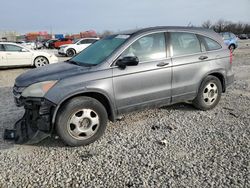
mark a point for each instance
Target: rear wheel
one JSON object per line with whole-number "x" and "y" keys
{"x": 81, "y": 121}
{"x": 231, "y": 47}
{"x": 209, "y": 93}
{"x": 41, "y": 61}
{"x": 70, "y": 52}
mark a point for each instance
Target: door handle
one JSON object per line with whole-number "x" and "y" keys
{"x": 203, "y": 57}
{"x": 162, "y": 64}
{"x": 8, "y": 53}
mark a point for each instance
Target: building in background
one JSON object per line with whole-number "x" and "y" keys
{"x": 8, "y": 35}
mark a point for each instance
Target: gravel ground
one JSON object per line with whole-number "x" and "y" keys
{"x": 176, "y": 146}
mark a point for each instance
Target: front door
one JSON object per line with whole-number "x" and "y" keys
{"x": 148, "y": 83}
{"x": 16, "y": 55}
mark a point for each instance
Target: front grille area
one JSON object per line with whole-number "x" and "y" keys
{"x": 17, "y": 91}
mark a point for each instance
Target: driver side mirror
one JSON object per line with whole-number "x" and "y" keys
{"x": 127, "y": 61}
{"x": 24, "y": 50}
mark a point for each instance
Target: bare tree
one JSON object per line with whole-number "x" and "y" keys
{"x": 105, "y": 33}
{"x": 207, "y": 24}
{"x": 227, "y": 26}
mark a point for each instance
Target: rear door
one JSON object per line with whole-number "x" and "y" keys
{"x": 3, "y": 58}
{"x": 190, "y": 63}
{"x": 148, "y": 83}
{"x": 16, "y": 55}
{"x": 83, "y": 44}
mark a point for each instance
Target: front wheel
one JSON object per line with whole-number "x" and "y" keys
{"x": 81, "y": 121}
{"x": 209, "y": 93}
{"x": 41, "y": 61}
{"x": 70, "y": 52}
{"x": 231, "y": 47}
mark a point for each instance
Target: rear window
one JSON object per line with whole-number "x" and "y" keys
{"x": 184, "y": 43}
{"x": 211, "y": 44}
{"x": 226, "y": 36}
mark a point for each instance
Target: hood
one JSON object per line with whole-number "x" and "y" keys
{"x": 65, "y": 45}
{"x": 56, "y": 71}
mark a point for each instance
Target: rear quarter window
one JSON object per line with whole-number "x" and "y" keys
{"x": 211, "y": 44}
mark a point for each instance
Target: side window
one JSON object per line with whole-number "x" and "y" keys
{"x": 211, "y": 44}
{"x": 92, "y": 40}
{"x": 1, "y": 48}
{"x": 226, "y": 36}
{"x": 232, "y": 35}
{"x": 12, "y": 48}
{"x": 85, "y": 41}
{"x": 148, "y": 48}
{"x": 184, "y": 43}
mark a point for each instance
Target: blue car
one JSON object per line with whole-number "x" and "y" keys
{"x": 230, "y": 40}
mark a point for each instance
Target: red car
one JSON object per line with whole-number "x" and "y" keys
{"x": 63, "y": 41}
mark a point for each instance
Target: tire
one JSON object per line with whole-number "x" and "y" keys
{"x": 70, "y": 52}
{"x": 41, "y": 61}
{"x": 81, "y": 121}
{"x": 231, "y": 47}
{"x": 209, "y": 93}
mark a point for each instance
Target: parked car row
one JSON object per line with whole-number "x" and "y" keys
{"x": 12, "y": 54}
{"x": 33, "y": 45}
{"x": 78, "y": 45}
{"x": 56, "y": 43}
{"x": 244, "y": 36}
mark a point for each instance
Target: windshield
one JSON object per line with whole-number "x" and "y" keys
{"x": 75, "y": 41}
{"x": 99, "y": 51}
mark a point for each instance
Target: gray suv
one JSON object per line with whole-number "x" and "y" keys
{"x": 121, "y": 73}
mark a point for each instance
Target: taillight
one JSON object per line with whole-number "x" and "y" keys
{"x": 231, "y": 56}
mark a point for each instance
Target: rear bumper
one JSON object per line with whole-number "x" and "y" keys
{"x": 229, "y": 79}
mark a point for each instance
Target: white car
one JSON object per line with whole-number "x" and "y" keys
{"x": 79, "y": 45}
{"x": 12, "y": 54}
{"x": 29, "y": 45}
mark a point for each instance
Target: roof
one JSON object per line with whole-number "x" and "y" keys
{"x": 199, "y": 30}
{"x": 148, "y": 29}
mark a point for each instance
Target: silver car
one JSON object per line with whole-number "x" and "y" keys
{"x": 121, "y": 73}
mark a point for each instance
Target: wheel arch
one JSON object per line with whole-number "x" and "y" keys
{"x": 218, "y": 75}
{"x": 33, "y": 64}
{"x": 221, "y": 77}
{"x": 102, "y": 98}
{"x": 232, "y": 44}
{"x": 71, "y": 48}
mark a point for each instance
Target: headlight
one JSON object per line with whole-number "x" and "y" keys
{"x": 38, "y": 89}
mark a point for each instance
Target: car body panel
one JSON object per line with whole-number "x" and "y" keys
{"x": 145, "y": 84}
{"x": 23, "y": 58}
{"x": 60, "y": 42}
{"x": 136, "y": 87}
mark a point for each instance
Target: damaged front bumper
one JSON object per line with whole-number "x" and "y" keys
{"x": 35, "y": 125}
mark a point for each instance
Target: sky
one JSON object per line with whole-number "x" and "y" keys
{"x": 73, "y": 16}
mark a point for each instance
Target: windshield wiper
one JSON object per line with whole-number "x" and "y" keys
{"x": 72, "y": 62}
